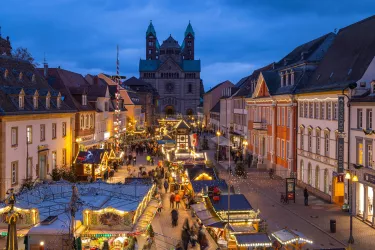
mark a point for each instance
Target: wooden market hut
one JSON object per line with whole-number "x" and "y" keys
{"x": 200, "y": 173}
{"x": 92, "y": 163}
{"x": 291, "y": 239}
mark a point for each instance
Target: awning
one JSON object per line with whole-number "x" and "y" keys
{"x": 198, "y": 207}
{"x": 253, "y": 239}
{"x": 146, "y": 217}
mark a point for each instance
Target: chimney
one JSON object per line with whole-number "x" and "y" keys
{"x": 45, "y": 69}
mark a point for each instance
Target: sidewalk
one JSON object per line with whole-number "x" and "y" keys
{"x": 313, "y": 221}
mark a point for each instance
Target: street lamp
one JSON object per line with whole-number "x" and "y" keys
{"x": 351, "y": 177}
{"x": 218, "y": 135}
{"x": 245, "y": 143}
{"x": 41, "y": 245}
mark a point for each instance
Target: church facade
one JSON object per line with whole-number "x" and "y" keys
{"x": 172, "y": 70}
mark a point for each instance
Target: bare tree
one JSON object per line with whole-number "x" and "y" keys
{"x": 24, "y": 54}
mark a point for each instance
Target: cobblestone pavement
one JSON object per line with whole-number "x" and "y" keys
{"x": 313, "y": 221}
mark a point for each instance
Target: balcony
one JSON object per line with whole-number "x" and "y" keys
{"x": 260, "y": 125}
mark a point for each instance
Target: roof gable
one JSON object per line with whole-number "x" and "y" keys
{"x": 261, "y": 89}
{"x": 169, "y": 65}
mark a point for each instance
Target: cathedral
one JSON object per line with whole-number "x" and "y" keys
{"x": 173, "y": 71}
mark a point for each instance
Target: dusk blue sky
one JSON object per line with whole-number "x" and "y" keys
{"x": 233, "y": 37}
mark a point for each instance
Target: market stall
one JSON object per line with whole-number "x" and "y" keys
{"x": 250, "y": 241}
{"x": 291, "y": 239}
{"x": 92, "y": 163}
{"x": 201, "y": 172}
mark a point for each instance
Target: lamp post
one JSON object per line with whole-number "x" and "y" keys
{"x": 351, "y": 177}
{"x": 218, "y": 135}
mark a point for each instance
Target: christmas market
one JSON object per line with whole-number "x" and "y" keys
{"x": 92, "y": 163}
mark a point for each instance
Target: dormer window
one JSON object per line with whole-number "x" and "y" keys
{"x": 48, "y": 101}
{"x": 373, "y": 87}
{"x": 20, "y": 76}
{"x": 21, "y": 101}
{"x": 33, "y": 78}
{"x": 84, "y": 100}
{"x": 35, "y": 101}
{"x": 58, "y": 103}
{"x": 6, "y": 73}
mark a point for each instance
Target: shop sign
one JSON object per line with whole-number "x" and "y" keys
{"x": 369, "y": 178}
{"x": 340, "y": 153}
{"x": 86, "y": 138}
{"x": 291, "y": 188}
{"x": 341, "y": 113}
{"x": 43, "y": 147}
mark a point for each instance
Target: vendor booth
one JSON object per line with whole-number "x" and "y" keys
{"x": 251, "y": 241}
{"x": 200, "y": 173}
{"x": 291, "y": 239}
{"x": 93, "y": 163}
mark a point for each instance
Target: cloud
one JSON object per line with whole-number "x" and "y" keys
{"x": 233, "y": 37}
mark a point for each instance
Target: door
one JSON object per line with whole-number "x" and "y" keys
{"x": 42, "y": 166}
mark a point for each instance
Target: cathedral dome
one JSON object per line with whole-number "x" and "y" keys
{"x": 170, "y": 43}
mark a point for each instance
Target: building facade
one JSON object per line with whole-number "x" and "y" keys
{"x": 173, "y": 71}
{"x": 35, "y": 125}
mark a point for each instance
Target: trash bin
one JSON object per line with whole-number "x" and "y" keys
{"x": 332, "y": 226}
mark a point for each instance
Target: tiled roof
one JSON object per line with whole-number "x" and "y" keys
{"x": 191, "y": 65}
{"x": 153, "y": 65}
{"x": 151, "y": 29}
{"x": 149, "y": 65}
{"x": 347, "y": 59}
{"x": 170, "y": 43}
{"x": 218, "y": 85}
{"x": 139, "y": 86}
{"x": 22, "y": 75}
{"x": 238, "y": 202}
{"x": 189, "y": 29}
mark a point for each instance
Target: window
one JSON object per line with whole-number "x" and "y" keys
{"x": 301, "y": 109}
{"x": 29, "y": 167}
{"x": 301, "y": 171}
{"x": 278, "y": 147}
{"x": 48, "y": 101}
{"x": 309, "y": 174}
{"x": 282, "y": 116}
{"x": 305, "y": 110}
{"x": 326, "y": 181}
{"x": 35, "y": 101}
{"x": 311, "y": 109}
{"x": 14, "y": 171}
{"x": 87, "y": 121}
{"x": 318, "y": 142}
{"x": 369, "y": 156}
{"x": 58, "y": 101}
{"x": 190, "y": 88}
{"x": 106, "y": 106}
{"x": 288, "y": 117}
{"x": 63, "y": 158}
{"x": 21, "y": 101}
{"x": 42, "y": 132}
{"x": 326, "y": 144}
{"x": 335, "y": 110}
{"x": 14, "y": 136}
{"x": 82, "y": 121}
{"x": 150, "y": 43}
{"x": 150, "y": 51}
{"x": 369, "y": 119}
{"x": 287, "y": 150}
{"x": 301, "y": 140}
{"x": 278, "y": 116}
{"x": 359, "y": 118}
{"x": 317, "y": 175}
{"x": 360, "y": 153}
{"x": 53, "y": 130}
{"x": 316, "y": 110}
{"x": 282, "y": 149}
{"x": 84, "y": 100}
{"x": 309, "y": 140}
{"x": 91, "y": 121}
{"x": 54, "y": 160}
{"x": 64, "y": 129}
{"x": 29, "y": 134}
{"x": 329, "y": 110}
{"x": 322, "y": 110}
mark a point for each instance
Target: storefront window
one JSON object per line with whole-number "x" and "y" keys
{"x": 361, "y": 202}
{"x": 370, "y": 200}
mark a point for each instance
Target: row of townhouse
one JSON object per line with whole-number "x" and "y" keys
{"x": 47, "y": 115}
{"x": 310, "y": 116}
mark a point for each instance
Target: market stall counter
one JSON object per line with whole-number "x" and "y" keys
{"x": 91, "y": 164}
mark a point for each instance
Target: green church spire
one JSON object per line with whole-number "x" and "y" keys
{"x": 151, "y": 29}
{"x": 189, "y": 29}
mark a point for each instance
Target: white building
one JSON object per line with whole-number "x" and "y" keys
{"x": 35, "y": 126}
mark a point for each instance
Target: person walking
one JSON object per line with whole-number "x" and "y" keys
{"x": 166, "y": 186}
{"x": 134, "y": 161}
{"x": 306, "y": 195}
{"x": 177, "y": 199}
{"x": 172, "y": 200}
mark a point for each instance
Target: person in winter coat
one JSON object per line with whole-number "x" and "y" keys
{"x": 177, "y": 199}
{"x": 306, "y": 195}
{"x": 174, "y": 215}
{"x": 171, "y": 201}
{"x": 166, "y": 186}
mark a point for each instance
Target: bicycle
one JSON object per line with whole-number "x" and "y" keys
{"x": 284, "y": 199}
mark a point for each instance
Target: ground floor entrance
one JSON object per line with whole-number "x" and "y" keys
{"x": 42, "y": 169}
{"x": 365, "y": 202}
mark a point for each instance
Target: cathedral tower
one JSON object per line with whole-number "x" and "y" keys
{"x": 152, "y": 44}
{"x": 188, "y": 45}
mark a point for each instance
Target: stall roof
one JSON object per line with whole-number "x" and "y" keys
{"x": 287, "y": 235}
{"x": 253, "y": 238}
{"x": 238, "y": 202}
{"x": 199, "y": 185}
{"x": 93, "y": 156}
{"x": 196, "y": 171}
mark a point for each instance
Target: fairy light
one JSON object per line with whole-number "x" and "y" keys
{"x": 117, "y": 111}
